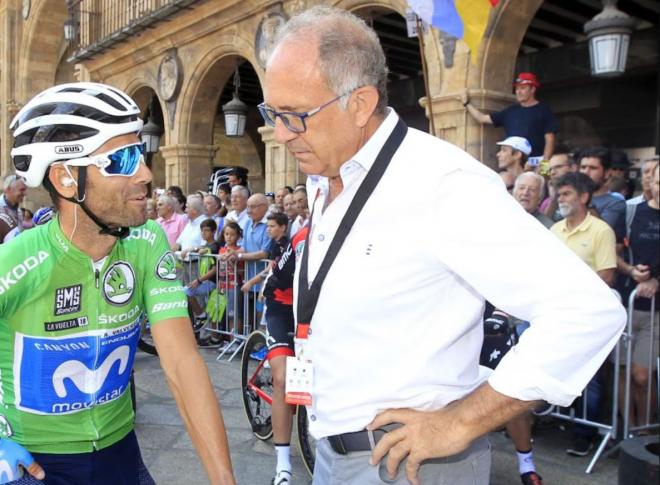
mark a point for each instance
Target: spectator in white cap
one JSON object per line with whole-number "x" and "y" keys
{"x": 513, "y": 154}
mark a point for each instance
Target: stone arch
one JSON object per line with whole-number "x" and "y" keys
{"x": 500, "y": 45}
{"x": 41, "y": 42}
{"x": 141, "y": 91}
{"x": 201, "y": 90}
{"x": 433, "y": 48}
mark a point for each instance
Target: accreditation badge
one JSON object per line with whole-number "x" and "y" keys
{"x": 299, "y": 380}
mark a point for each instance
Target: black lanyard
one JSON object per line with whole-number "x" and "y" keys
{"x": 308, "y": 296}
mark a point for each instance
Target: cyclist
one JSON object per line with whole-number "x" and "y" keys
{"x": 71, "y": 295}
{"x": 278, "y": 291}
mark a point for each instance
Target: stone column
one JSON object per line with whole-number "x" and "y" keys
{"x": 281, "y": 167}
{"x": 454, "y": 124}
{"x": 188, "y": 166}
{"x": 10, "y": 32}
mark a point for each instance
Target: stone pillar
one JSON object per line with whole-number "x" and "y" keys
{"x": 454, "y": 124}
{"x": 10, "y": 32}
{"x": 188, "y": 166}
{"x": 281, "y": 167}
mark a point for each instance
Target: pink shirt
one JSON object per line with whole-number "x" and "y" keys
{"x": 173, "y": 226}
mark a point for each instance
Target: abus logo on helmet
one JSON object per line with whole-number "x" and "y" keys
{"x": 67, "y": 149}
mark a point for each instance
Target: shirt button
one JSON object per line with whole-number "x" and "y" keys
{"x": 321, "y": 237}
{"x": 312, "y": 417}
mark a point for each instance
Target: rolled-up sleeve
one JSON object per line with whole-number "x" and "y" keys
{"x": 502, "y": 252}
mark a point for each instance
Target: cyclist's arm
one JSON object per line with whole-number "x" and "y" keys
{"x": 188, "y": 378}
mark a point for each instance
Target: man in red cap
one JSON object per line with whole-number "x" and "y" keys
{"x": 529, "y": 119}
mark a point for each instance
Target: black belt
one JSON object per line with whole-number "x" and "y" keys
{"x": 359, "y": 440}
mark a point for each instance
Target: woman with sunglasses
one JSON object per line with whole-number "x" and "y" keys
{"x": 75, "y": 290}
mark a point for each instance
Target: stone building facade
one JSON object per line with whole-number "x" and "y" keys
{"x": 185, "y": 52}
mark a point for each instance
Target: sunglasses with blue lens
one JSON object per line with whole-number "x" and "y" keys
{"x": 123, "y": 161}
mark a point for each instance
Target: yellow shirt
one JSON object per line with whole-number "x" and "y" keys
{"x": 593, "y": 241}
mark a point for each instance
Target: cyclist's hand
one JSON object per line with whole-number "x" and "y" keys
{"x": 246, "y": 287}
{"x": 11, "y": 456}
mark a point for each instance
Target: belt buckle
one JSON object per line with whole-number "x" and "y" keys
{"x": 337, "y": 444}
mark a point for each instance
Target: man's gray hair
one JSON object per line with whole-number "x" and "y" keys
{"x": 195, "y": 201}
{"x": 240, "y": 189}
{"x": 167, "y": 200}
{"x": 538, "y": 178}
{"x": 350, "y": 54}
{"x": 10, "y": 180}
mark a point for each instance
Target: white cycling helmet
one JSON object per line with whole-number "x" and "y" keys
{"x": 90, "y": 113}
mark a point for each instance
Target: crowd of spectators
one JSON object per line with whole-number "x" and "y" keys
{"x": 585, "y": 198}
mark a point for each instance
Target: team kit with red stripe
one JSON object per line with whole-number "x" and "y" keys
{"x": 278, "y": 291}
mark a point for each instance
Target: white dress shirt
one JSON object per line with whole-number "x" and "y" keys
{"x": 191, "y": 236}
{"x": 399, "y": 319}
{"x": 242, "y": 219}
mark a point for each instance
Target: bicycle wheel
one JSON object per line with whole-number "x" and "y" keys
{"x": 256, "y": 378}
{"x": 146, "y": 342}
{"x": 306, "y": 443}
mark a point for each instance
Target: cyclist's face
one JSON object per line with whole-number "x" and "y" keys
{"x": 118, "y": 201}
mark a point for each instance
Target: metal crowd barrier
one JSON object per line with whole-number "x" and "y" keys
{"x": 628, "y": 429}
{"x": 236, "y": 314}
{"x": 610, "y": 423}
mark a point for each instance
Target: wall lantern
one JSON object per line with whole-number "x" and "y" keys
{"x": 235, "y": 112}
{"x": 70, "y": 24}
{"x": 609, "y": 36}
{"x": 151, "y": 132}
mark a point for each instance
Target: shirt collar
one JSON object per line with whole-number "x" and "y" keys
{"x": 583, "y": 226}
{"x": 365, "y": 157}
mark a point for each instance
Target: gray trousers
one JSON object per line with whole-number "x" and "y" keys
{"x": 471, "y": 467}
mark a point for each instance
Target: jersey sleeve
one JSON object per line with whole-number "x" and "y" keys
{"x": 164, "y": 297}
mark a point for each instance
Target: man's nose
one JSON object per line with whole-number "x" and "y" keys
{"x": 281, "y": 133}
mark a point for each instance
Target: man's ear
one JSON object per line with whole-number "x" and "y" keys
{"x": 63, "y": 180}
{"x": 363, "y": 104}
{"x": 584, "y": 197}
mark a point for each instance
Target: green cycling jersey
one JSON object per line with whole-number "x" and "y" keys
{"x": 68, "y": 334}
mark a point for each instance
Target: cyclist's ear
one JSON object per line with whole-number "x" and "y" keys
{"x": 63, "y": 180}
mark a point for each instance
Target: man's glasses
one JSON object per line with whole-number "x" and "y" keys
{"x": 124, "y": 161}
{"x": 293, "y": 120}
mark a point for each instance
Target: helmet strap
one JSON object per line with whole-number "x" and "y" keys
{"x": 118, "y": 232}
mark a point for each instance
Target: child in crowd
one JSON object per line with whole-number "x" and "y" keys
{"x": 205, "y": 282}
{"x": 229, "y": 276}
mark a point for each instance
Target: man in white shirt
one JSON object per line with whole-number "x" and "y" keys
{"x": 239, "y": 197}
{"x": 191, "y": 236}
{"x": 302, "y": 219}
{"x": 396, "y": 331}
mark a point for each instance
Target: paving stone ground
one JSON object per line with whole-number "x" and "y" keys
{"x": 171, "y": 459}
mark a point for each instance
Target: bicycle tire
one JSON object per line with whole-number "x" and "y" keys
{"x": 146, "y": 343}
{"x": 257, "y": 410}
{"x": 306, "y": 443}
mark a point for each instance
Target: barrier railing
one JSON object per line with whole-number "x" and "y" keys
{"x": 608, "y": 426}
{"x": 646, "y": 423}
{"x": 232, "y": 313}
{"x": 580, "y": 414}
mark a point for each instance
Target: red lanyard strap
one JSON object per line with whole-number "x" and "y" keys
{"x": 308, "y": 295}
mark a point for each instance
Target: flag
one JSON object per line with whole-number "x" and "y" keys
{"x": 463, "y": 19}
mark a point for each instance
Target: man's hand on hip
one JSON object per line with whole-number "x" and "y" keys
{"x": 424, "y": 435}
{"x": 445, "y": 432}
